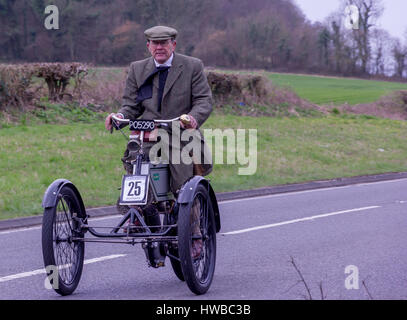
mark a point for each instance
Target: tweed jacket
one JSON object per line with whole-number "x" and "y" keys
{"x": 186, "y": 91}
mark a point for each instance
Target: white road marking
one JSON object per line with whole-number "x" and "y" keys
{"x": 280, "y": 195}
{"x": 298, "y": 220}
{"x": 114, "y": 256}
{"x": 42, "y": 271}
{"x": 116, "y": 216}
{"x": 380, "y": 182}
{"x": 19, "y": 230}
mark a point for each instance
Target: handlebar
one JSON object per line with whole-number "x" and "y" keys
{"x": 156, "y": 121}
{"x": 185, "y": 119}
{"x": 146, "y": 125}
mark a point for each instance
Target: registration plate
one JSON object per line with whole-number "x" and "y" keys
{"x": 142, "y": 125}
{"x": 134, "y": 190}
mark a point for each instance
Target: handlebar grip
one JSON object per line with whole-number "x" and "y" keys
{"x": 119, "y": 120}
{"x": 185, "y": 119}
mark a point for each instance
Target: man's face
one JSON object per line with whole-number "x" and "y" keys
{"x": 161, "y": 50}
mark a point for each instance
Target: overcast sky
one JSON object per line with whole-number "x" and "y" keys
{"x": 394, "y": 18}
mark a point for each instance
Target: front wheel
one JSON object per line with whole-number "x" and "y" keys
{"x": 197, "y": 241}
{"x": 62, "y": 248}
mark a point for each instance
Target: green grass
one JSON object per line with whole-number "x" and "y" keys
{"x": 294, "y": 150}
{"x": 289, "y": 150}
{"x": 326, "y": 90}
{"x": 317, "y": 89}
{"x": 32, "y": 157}
{"x": 51, "y": 113}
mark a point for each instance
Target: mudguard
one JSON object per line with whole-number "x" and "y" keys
{"x": 187, "y": 192}
{"x": 50, "y": 196}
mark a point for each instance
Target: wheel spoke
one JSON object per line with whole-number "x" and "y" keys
{"x": 65, "y": 250}
{"x": 200, "y": 221}
{"x": 66, "y": 214}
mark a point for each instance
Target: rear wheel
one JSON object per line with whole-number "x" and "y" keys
{"x": 176, "y": 265}
{"x": 173, "y": 248}
{"x": 62, "y": 249}
{"x": 197, "y": 241}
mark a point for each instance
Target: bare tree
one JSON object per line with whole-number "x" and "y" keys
{"x": 369, "y": 12}
{"x": 399, "y": 56}
{"x": 343, "y": 49}
{"x": 381, "y": 43}
{"x": 336, "y": 41}
{"x": 324, "y": 37}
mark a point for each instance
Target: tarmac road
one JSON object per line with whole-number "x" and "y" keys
{"x": 350, "y": 241}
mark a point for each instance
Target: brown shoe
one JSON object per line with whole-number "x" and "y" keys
{"x": 196, "y": 248}
{"x": 131, "y": 227}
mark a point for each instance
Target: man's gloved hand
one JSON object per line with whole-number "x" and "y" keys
{"x": 108, "y": 121}
{"x": 188, "y": 122}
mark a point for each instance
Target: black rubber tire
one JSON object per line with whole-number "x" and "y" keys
{"x": 56, "y": 224}
{"x": 189, "y": 265}
{"x": 176, "y": 266}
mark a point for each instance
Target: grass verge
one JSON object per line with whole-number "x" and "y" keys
{"x": 289, "y": 150}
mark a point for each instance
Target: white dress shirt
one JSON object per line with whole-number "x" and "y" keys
{"x": 167, "y": 63}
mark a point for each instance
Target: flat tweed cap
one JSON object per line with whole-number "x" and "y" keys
{"x": 160, "y": 33}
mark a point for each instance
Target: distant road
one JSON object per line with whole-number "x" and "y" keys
{"x": 326, "y": 231}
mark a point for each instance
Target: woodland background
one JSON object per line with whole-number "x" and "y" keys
{"x": 239, "y": 34}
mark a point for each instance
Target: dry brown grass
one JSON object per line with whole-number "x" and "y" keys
{"x": 246, "y": 94}
{"x": 254, "y": 95}
{"x": 58, "y": 75}
{"x": 233, "y": 93}
{"x": 16, "y": 82}
{"x": 103, "y": 89}
{"x": 392, "y": 106}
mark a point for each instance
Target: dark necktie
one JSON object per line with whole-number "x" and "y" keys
{"x": 163, "y": 73}
{"x": 145, "y": 91}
